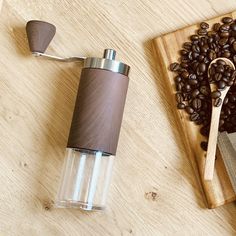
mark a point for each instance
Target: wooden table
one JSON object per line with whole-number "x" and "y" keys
{"x": 154, "y": 190}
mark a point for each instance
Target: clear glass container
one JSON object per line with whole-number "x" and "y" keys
{"x": 85, "y": 179}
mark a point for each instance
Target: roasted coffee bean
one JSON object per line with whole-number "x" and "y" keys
{"x": 192, "y": 77}
{"x": 197, "y": 103}
{"x": 194, "y": 116}
{"x": 230, "y": 83}
{"x": 204, "y": 145}
{"x": 187, "y": 87}
{"x": 183, "y": 52}
{"x": 226, "y": 100}
{"x": 195, "y": 93}
{"x": 221, "y": 85}
{"x": 227, "y": 20}
{"x": 204, "y": 25}
{"x": 212, "y": 55}
{"x": 179, "y": 98}
{"x": 174, "y": 66}
{"x": 216, "y": 26}
{"x": 202, "y": 67}
{"x": 223, "y": 41}
{"x": 202, "y": 32}
{"x": 226, "y": 54}
{"x": 180, "y": 105}
{"x": 187, "y": 45}
{"x": 184, "y": 65}
{"x": 216, "y": 94}
{"x": 194, "y": 37}
{"x": 232, "y": 98}
{"x": 204, "y": 90}
{"x": 224, "y": 28}
{"x": 218, "y": 102}
{"x": 193, "y": 82}
{"x": 220, "y": 68}
{"x": 185, "y": 74}
{"x": 196, "y": 49}
{"x": 224, "y": 34}
{"x": 218, "y": 76}
{"x": 189, "y": 109}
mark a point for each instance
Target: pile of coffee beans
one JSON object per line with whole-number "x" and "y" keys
{"x": 192, "y": 82}
{"x": 221, "y": 75}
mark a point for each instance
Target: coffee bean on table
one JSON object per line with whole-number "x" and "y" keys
{"x": 179, "y": 98}
{"x": 189, "y": 109}
{"x": 204, "y": 25}
{"x": 194, "y": 116}
{"x": 197, "y": 103}
{"x": 174, "y": 66}
{"x": 180, "y": 105}
{"x": 227, "y": 20}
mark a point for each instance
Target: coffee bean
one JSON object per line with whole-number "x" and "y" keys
{"x": 226, "y": 100}
{"x": 185, "y": 74}
{"x": 195, "y": 93}
{"x": 232, "y": 98}
{"x": 212, "y": 55}
{"x": 218, "y": 76}
{"x": 216, "y": 94}
{"x": 196, "y": 49}
{"x": 218, "y": 102}
{"x": 202, "y": 67}
{"x": 204, "y": 145}
{"x": 187, "y": 87}
{"x": 194, "y": 116}
{"x": 224, "y": 34}
{"x": 204, "y": 90}
{"x": 230, "y": 83}
{"x": 187, "y": 45}
{"x": 223, "y": 41}
{"x": 224, "y": 28}
{"x": 174, "y": 66}
{"x": 197, "y": 103}
{"x": 202, "y": 32}
{"x": 221, "y": 85}
{"x": 193, "y": 82}
{"x": 179, "y": 98}
{"x": 192, "y": 77}
{"x": 216, "y": 26}
{"x": 220, "y": 68}
{"x": 194, "y": 37}
{"x": 189, "y": 109}
{"x": 180, "y": 105}
{"x": 227, "y": 20}
{"x": 204, "y": 25}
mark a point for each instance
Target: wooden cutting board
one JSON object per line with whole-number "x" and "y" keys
{"x": 219, "y": 191}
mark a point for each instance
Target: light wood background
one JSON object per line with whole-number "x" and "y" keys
{"x": 154, "y": 190}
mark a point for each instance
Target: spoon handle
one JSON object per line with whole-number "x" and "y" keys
{"x": 211, "y": 150}
{"x": 212, "y": 141}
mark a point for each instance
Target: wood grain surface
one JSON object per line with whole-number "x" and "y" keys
{"x": 219, "y": 190}
{"x": 154, "y": 190}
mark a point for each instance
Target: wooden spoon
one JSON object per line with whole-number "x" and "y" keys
{"x": 215, "y": 119}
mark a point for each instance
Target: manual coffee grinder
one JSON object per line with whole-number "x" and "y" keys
{"x": 96, "y": 122}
